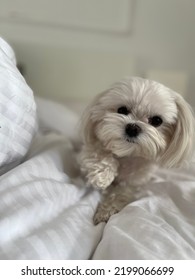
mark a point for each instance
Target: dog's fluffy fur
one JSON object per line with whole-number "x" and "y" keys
{"x": 114, "y": 162}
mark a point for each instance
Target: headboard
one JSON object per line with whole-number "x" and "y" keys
{"x": 71, "y": 74}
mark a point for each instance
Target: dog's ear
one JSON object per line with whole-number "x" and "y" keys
{"x": 86, "y": 126}
{"x": 181, "y": 144}
{"x": 89, "y": 120}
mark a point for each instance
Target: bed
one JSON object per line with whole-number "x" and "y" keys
{"x": 44, "y": 214}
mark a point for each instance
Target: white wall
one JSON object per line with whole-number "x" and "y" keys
{"x": 150, "y": 36}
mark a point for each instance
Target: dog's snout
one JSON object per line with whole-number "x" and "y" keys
{"x": 132, "y": 130}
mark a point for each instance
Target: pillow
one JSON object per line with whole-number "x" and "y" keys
{"x": 17, "y": 111}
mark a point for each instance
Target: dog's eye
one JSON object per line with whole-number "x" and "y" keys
{"x": 155, "y": 121}
{"x": 123, "y": 110}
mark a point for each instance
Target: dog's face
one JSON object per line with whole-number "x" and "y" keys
{"x": 141, "y": 118}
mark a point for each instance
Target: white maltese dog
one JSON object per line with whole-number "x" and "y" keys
{"x": 128, "y": 130}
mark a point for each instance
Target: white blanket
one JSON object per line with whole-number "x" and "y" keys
{"x": 45, "y": 216}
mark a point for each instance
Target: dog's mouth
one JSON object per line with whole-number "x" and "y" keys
{"x": 131, "y": 140}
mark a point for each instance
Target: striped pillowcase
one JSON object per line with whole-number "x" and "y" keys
{"x": 17, "y": 111}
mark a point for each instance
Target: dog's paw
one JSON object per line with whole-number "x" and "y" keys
{"x": 104, "y": 214}
{"x": 101, "y": 179}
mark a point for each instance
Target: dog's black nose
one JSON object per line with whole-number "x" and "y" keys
{"x": 132, "y": 130}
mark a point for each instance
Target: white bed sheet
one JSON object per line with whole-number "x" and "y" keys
{"x": 45, "y": 216}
